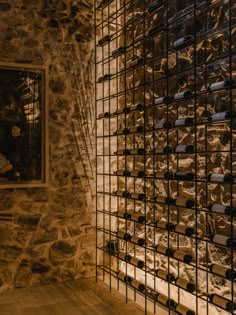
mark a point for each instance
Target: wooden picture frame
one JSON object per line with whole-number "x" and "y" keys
{"x": 23, "y": 125}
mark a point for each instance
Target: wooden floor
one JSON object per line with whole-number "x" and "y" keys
{"x": 77, "y": 297}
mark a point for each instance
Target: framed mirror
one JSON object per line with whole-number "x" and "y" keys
{"x": 23, "y": 125}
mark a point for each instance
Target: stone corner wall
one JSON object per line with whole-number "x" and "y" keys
{"x": 49, "y": 234}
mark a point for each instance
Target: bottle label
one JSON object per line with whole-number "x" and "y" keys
{"x": 217, "y": 300}
{"x": 135, "y": 283}
{"x": 180, "y": 148}
{"x": 181, "y": 202}
{"x": 183, "y": 310}
{"x": 134, "y": 195}
{"x": 163, "y": 299}
{"x": 180, "y": 122}
{"x": 161, "y": 249}
{"x": 162, "y": 274}
{"x": 135, "y": 239}
{"x": 180, "y": 228}
{"x": 220, "y": 239}
{"x": 217, "y": 177}
{"x": 182, "y": 283}
{"x": 219, "y": 270}
{"x": 122, "y": 255}
{"x": 179, "y": 255}
{"x": 218, "y": 208}
{"x": 159, "y": 100}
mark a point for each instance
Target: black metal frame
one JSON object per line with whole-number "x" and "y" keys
{"x": 192, "y": 64}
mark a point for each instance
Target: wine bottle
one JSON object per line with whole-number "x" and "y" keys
{"x": 137, "y": 285}
{"x": 106, "y": 77}
{"x": 121, "y": 131}
{"x": 161, "y": 249}
{"x": 222, "y": 209}
{"x": 112, "y": 246}
{"x": 104, "y": 115}
{"x": 185, "y": 95}
{"x": 165, "y": 100}
{"x": 123, "y": 215}
{"x": 183, "y": 122}
{"x": 137, "y": 129}
{"x": 186, "y": 258}
{"x": 122, "y": 173}
{"x": 121, "y": 193}
{"x": 163, "y": 274}
{"x": 186, "y": 230}
{"x": 155, "y": 30}
{"x": 105, "y": 40}
{"x": 226, "y": 304}
{"x": 221, "y": 178}
{"x": 223, "y": 271}
{"x": 137, "y": 62}
{"x": 169, "y": 226}
{"x": 137, "y": 262}
{"x": 182, "y": 202}
{"x": 183, "y": 42}
{"x": 138, "y": 106}
{"x": 224, "y": 240}
{"x": 155, "y": 6}
{"x": 165, "y": 150}
{"x": 124, "y": 235}
{"x": 119, "y": 51}
{"x": 122, "y": 110}
{"x": 163, "y": 125}
{"x": 124, "y": 256}
{"x": 124, "y": 277}
{"x": 181, "y": 148}
{"x": 185, "y": 284}
{"x": 183, "y": 175}
{"x": 122, "y": 152}
{"x": 164, "y": 300}
{"x": 164, "y": 199}
{"x": 139, "y": 151}
{"x": 183, "y": 310}
{"x": 137, "y": 240}
{"x": 103, "y": 4}
{"x": 220, "y": 85}
{"x": 220, "y": 116}
{"x": 138, "y": 218}
{"x": 136, "y": 173}
{"x": 165, "y": 175}
{"x": 138, "y": 196}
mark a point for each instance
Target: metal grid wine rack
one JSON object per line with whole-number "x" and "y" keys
{"x": 165, "y": 142}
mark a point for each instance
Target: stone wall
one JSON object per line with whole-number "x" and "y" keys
{"x": 49, "y": 234}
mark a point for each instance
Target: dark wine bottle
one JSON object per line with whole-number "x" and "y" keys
{"x": 165, "y": 200}
{"x": 183, "y": 310}
{"x": 165, "y": 150}
{"x": 157, "y": 29}
{"x": 138, "y": 218}
{"x": 124, "y": 235}
{"x": 165, "y": 100}
{"x": 220, "y": 116}
{"x": 112, "y": 247}
{"x": 123, "y": 215}
{"x": 186, "y": 258}
{"x": 137, "y": 240}
{"x": 183, "y": 175}
{"x": 223, "y": 271}
{"x": 164, "y": 300}
{"x": 227, "y": 241}
{"x": 138, "y": 196}
{"x": 169, "y": 226}
{"x": 185, "y": 95}
{"x": 164, "y": 175}
{"x": 183, "y": 122}
{"x": 163, "y": 125}
{"x": 186, "y": 230}
{"x": 105, "y": 40}
{"x": 222, "y": 209}
{"x": 122, "y": 173}
{"x": 183, "y": 42}
{"x": 163, "y": 274}
{"x": 138, "y": 151}
{"x": 185, "y": 284}
{"x": 122, "y": 110}
{"x": 138, "y": 106}
{"x": 137, "y": 62}
{"x": 155, "y": 6}
{"x": 104, "y": 115}
{"x": 106, "y": 77}
{"x": 137, "y": 173}
{"x": 122, "y": 152}
{"x": 121, "y": 193}
{"x": 161, "y": 249}
{"x": 220, "y": 85}
{"x": 221, "y": 178}
{"x": 137, "y": 262}
{"x": 182, "y": 202}
{"x": 226, "y": 304}
{"x": 119, "y": 51}
{"x": 137, "y": 129}
{"x": 181, "y": 148}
